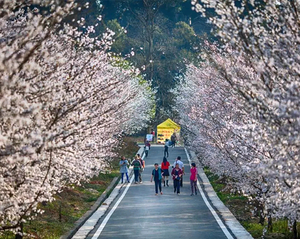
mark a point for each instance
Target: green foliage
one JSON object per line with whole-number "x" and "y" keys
{"x": 184, "y": 35}
{"x": 120, "y": 36}
{"x": 280, "y": 230}
{"x": 159, "y": 33}
{"x": 164, "y": 34}
{"x": 238, "y": 205}
{"x": 120, "y": 62}
{"x": 255, "y": 229}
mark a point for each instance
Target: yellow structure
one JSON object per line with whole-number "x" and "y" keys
{"x": 166, "y": 129}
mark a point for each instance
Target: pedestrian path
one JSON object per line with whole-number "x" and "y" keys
{"x": 138, "y": 213}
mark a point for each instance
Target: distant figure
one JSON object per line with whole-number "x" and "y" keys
{"x": 181, "y": 166}
{"x": 193, "y": 178}
{"x": 173, "y": 139}
{"x": 123, "y": 168}
{"x": 153, "y": 133}
{"x": 146, "y": 149}
{"x": 142, "y": 168}
{"x": 157, "y": 175}
{"x": 177, "y": 174}
{"x": 147, "y": 143}
{"x": 165, "y": 168}
{"x": 166, "y": 148}
{"x": 136, "y": 169}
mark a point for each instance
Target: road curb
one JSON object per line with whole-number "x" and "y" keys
{"x": 95, "y": 206}
{"x": 104, "y": 196}
{"x": 230, "y": 220}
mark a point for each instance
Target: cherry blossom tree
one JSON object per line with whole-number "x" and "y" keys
{"x": 264, "y": 37}
{"x": 231, "y": 137}
{"x": 220, "y": 127}
{"x": 63, "y": 100}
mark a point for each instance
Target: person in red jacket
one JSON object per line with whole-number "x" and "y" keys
{"x": 176, "y": 173}
{"x": 165, "y": 168}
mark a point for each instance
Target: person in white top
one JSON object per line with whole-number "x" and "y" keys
{"x": 181, "y": 166}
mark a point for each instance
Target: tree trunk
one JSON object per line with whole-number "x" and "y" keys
{"x": 59, "y": 212}
{"x": 151, "y": 58}
{"x": 261, "y": 218}
{"x": 19, "y": 235}
{"x": 270, "y": 224}
{"x": 295, "y": 234}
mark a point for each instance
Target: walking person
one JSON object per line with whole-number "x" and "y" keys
{"x": 165, "y": 168}
{"x": 166, "y": 149}
{"x": 136, "y": 169}
{"x": 177, "y": 174}
{"x": 147, "y": 143}
{"x": 142, "y": 167}
{"x": 146, "y": 148}
{"x": 173, "y": 139}
{"x": 153, "y": 135}
{"x": 123, "y": 168}
{"x": 193, "y": 179}
{"x": 181, "y": 166}
{"x": 157, "y": 175}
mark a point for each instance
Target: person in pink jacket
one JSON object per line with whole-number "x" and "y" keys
{"x": 193, "y": 179}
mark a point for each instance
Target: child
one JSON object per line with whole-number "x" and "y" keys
{"x": 193, "y": 179}
{"x": 156, "y": 175}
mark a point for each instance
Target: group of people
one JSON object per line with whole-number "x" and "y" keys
{"x": 138, "y": 167}
{"x": 161, "y": 174}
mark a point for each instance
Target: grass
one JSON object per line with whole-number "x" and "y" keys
{"x": 60, "y": 215}
{"x": 242, "y": 210}
{"x": 255, "y": 229}
{"x": 280, "y": 230}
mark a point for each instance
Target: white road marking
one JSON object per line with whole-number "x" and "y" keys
{"x": 219, "y": 221}
{"x": 104, "y": 222}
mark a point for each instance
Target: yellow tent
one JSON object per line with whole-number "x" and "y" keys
{"x": 166, "y": 129}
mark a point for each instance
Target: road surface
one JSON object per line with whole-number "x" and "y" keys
{"x": 141, "y": 214}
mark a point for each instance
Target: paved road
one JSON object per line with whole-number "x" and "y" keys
{"x": 141, "y": 214}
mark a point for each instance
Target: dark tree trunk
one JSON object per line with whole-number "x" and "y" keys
{"x": 295, "y": 234}
{"x": 270, "y": 224}
{"x": 19, "y": 235}
{"x": 59, "y": 212}
{"x": 261, "y": 220}
{"x": 261, "y": 217}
